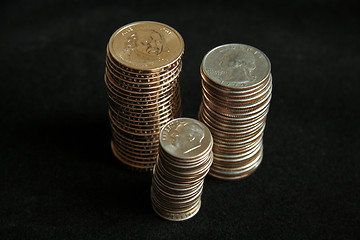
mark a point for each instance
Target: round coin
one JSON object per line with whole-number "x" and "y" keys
{"x": 146, "y": 45}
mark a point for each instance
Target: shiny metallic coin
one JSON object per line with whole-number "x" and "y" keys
{"x": 143, "y": 66}
{"x": 141, "y": 80}
{"x": 242, "y": 100}
{"x": 177, "y": 216}
{"x": 184, "y": 159}
{"x": 239, "y": 110}
{"x": 176, "y": 190}
{"x": 232, "y": 123}
{"x": 247, "y": 113}
{"x": 140, "y": 148}
{"x": 146, "y": 46}
{"x": 146, "y": 108}
{"x": 231, "y": 162}
{"x": 235, "y": 173}
{"x": 139, "y": 131}
{"x": 152, "y": 84}
{"x": 181, "y": 130}
{"x": 168, "y": 97}
{"x": 144, "y": 165}
{"x": 233, "y": 92}
{"x": 129, "y": 112}
{"x": 228, "y": 157}
{"x": 129, "y": 150}
{"x": 233, "y": 119}
{"x": 236, "y": 66}
{"x": 237, "y": 89}
{"x": 137, "y": 127}
{"x": 140, "y": 92}
{"x": 232, "y": 130}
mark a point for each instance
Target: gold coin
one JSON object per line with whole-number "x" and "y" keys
{"x": 146, "y": 46}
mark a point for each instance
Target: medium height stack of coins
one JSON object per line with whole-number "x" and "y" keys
{"x": 143, "y": 65}
{"x": 236, "y": 85}
{"x": 185, "y": 157}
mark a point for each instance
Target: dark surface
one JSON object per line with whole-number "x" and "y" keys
{"x": 59, "y": 180}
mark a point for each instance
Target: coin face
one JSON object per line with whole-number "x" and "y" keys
{"x": 185, "y": 138}
{"x": 236, "y": 65}
{"x": 146, "y": 45}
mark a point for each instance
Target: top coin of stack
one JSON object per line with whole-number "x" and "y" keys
{"x": 236, "y": 85}
{"x": 143, "y": 65}
{"x": 185, "y": 158}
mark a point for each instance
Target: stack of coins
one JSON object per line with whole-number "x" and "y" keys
{"x": 236, "y": 86}
{"x": 143, "y": 65}
{"x": 185, "y": 157}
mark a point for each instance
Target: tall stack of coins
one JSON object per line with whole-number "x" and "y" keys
{"x": 236, "y": 85}
{"x": 143, "y": 65}
{"x": 185, "y": 157}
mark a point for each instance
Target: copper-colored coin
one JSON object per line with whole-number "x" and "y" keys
{"x": 140, "y": 93}
{"x": 142, "y": 165}
{"x": 146, "y": 46}
{"x": 136, "y": 84}
{"x": 132, "y": 78}
{"x": 141, "y": 130}
{"x": 143, "y": 66}
{"x": 162, "y": 105}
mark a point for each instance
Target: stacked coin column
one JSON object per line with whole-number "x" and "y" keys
{"x": 185, "y": 157}
{"x": 236, "y": 86}
{"x": 143, "y": 65}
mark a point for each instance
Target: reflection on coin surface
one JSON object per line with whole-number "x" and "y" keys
{"x": 184, "y": 159}
{"x": 185, "y": 138}
{"x": 236, "y": 84}
{"x": 143, "y": 66}
{"x": 236, "y": 65}
{"x": 146, "y": 45}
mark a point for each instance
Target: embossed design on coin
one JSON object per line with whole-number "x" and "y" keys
{"x": 147, "y": 42}
{"x": 236, "y": 65}
{"x": 239, "y": 65}
{"x": 146, "y": 45}
{"x": 177, "y": 182}
{"x": 142, "y": 79}
{"x": 184, "y": 137}
{"x": 236, "y": 93}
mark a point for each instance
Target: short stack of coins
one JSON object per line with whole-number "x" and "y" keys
{"x": 236, "y": 86}
{"x": 143, "y": 66}
{"x": 185, "y": 157}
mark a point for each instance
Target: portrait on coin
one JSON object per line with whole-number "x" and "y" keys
{"x": 145, "y": 43}
{"x": 238, "y": 66}
{"x": 186, "y": 137}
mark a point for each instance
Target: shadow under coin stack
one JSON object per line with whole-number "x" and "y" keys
{"x": 143, "y": 65}
{"x": 236, "y": 85}
{"x": 185, "y": 157}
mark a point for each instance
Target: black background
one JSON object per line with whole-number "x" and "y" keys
{"x": 59, "y": 179}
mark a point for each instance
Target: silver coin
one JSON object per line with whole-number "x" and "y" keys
{"x": 185, "y": 138}
{"x": 184, "y": 159}
{"x": 236, "y": 65}
{"x": 237, "y": 89}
